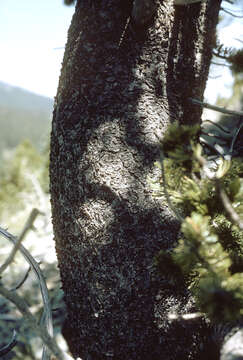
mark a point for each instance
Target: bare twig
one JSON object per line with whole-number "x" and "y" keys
{"x": 217, "y": 54}
{"x": 220, "y": 64}
{"x": 223, "y": 134}
{"x": 27, "y": 227}
{"x": 44, "y": 292}
{"x": 215, "y": 108}
{"x": 22, "y": 281}
{"x": 124, "y": 32}
{"x": 228, "y": 207}
{"x": 7, "y": 348}
{"x": 231, "y": 13}
{"x": 215, "y": 77}
{"x": 39, "y": 330}
{"x": 226, "y": 132}
{"x": 235, "y": 137}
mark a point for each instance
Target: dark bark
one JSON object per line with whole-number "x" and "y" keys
{"x": 110, "y": 104}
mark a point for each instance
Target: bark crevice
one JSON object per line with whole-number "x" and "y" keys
{"x": 110, "y": 105}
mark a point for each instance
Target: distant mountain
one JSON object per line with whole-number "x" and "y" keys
{"x": 22, "y": 99}
{"x": 23, "y": 114}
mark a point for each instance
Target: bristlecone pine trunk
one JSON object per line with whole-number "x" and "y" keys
{"x": 118, "y": 92}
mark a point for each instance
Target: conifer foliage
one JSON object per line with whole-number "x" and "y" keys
{"x": 207, "y": 198}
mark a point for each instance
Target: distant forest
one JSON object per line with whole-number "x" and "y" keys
{"x": 23, "y": 115}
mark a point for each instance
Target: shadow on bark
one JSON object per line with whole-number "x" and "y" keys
{"x": 108, "y": 227}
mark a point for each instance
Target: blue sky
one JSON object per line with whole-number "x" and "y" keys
{"x": 30, "y": 30}
{"x": 33, "y": 32}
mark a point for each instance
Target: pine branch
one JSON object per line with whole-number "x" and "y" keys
{"x": 215, "y": 108}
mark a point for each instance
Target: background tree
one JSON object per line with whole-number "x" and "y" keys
{"x": 124, "y": 78}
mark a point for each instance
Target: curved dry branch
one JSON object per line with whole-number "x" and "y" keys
{"x": 22, "y": 281}
{"x": 35, "y": 267}
{"x": 27, "y": 227}
{"x": 7, "y": 348}
{"x": 42, "y": 332}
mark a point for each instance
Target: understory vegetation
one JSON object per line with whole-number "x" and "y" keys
{"x": 24, "y": 185}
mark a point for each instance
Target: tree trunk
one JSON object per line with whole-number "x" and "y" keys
{"x": 113, "y": 102}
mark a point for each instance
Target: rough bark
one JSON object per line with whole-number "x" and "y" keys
{"x": 111, "y": 102}
{"x": 232, "y": 348}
